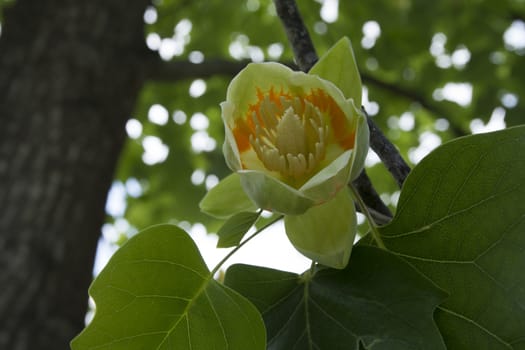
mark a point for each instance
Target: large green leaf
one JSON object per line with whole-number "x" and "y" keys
{"x": 157, "y": 293}
{"x": 378, "y": 300}
{"x": 461, "y": 222}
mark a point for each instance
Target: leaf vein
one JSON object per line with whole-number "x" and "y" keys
{"x": 466, "y": 319}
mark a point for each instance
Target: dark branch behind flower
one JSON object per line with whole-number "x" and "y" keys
{"x": 306, "y": 56}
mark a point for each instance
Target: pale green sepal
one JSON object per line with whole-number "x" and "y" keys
{"x": 273, "y": 195}
{"x": 325, "y": 233}
{"x": 226, "y": 199}
{"x": 338, "y": 65}
{"x": 324, "y": 185}
{"x": 362, "y": 137}
{"x": 234, "y": 229}
{"x": 229, "y": 148}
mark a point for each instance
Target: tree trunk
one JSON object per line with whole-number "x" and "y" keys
{"x": 68, "y": 82}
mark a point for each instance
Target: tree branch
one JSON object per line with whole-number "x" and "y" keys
{"x": 387, "y": 152}
{"x": 157, "y": 69}
{"x": 379, "y": 211}
{"x": 303, "y": 49}
{"x": 302, "y": 45}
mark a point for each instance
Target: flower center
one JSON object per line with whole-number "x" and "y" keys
{"x": 289, "y": 136}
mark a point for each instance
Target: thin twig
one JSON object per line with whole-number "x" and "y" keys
{"x": 371, "y": 220}
{"x": 379, "y": 211}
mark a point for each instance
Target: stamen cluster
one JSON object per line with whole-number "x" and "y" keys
{"x": 290, "y": 136}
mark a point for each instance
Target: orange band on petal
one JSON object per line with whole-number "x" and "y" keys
{"x": 265, "y": 130}
{"x": 344, "y": 136}
{"x": 245, "y": 126}
{"x": 242, "y": 133}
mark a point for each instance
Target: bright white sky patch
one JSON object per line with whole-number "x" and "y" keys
{"x": 211, "y": 181}
{"x": 197, "y": 88}
{"x": 256, "y": 53}
{"x": 514, "y": 36}
{"x": 179, "y": 117}
{"x": 197, "y": 177}
{"x": 428, "y": 141}
{"x": 196, "y": 57}
{"x": 201, "y": 141}
{"x": 371, "y": 159}
{"x": 240, "y": 48}
{"x": 407, "y": 121}
{"x": 183, "y": 28}
{"x": 175, "y": 45}
{"x": 133, "y": 128}
{"x": 199, "y": 121}
{"x": 236, "y": 50}
{"x": 394, "y": 198}
{"x": 460, "y": 57}
{"x": 154, "y": 150}
{"x": 437, "y": 45}
{"x": 153, "y": 41}
{"x": 330, "y": 10}
{"x": 271, "y": 249}
{"x": 133, "y": 187}
{"x": 105, "y": 250}
{"x": 110, "y": 233}
{"x": 441, "y": 124}
{"x": 371, "y": 107}
{"x": 509, "y": 100}
{"x": 150, "y": 15}
{"x": 116, "y": 200}
{"x": 169, "y": 48}
{"x": 158, "y": 114}
{"x": 496, "y": 122}
{"x": 275, "y": 50}
{"x": 460, "y": 93}
{"x": 371, "y": 31}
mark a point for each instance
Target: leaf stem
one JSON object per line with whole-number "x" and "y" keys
{"x": 364, "y": 209}
{"x": 218, "y": 266}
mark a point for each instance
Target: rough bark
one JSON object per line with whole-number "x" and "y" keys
{"x": 68, "y": 82}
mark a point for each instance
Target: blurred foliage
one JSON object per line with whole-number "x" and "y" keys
{"x": 401, "y": 74}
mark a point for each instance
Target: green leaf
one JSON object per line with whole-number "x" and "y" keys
{"x": 326, "y": 232}
{"x": 157, "y": 293}
{"x": 227, "y": 198}
{"x": 338, "y": 66}
{"x": 461, "y": 222}
{"x": 379, "y": 300}
{"x": 233, "y": 230}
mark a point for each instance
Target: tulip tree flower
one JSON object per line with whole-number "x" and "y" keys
{"x": 294, "y": 141}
